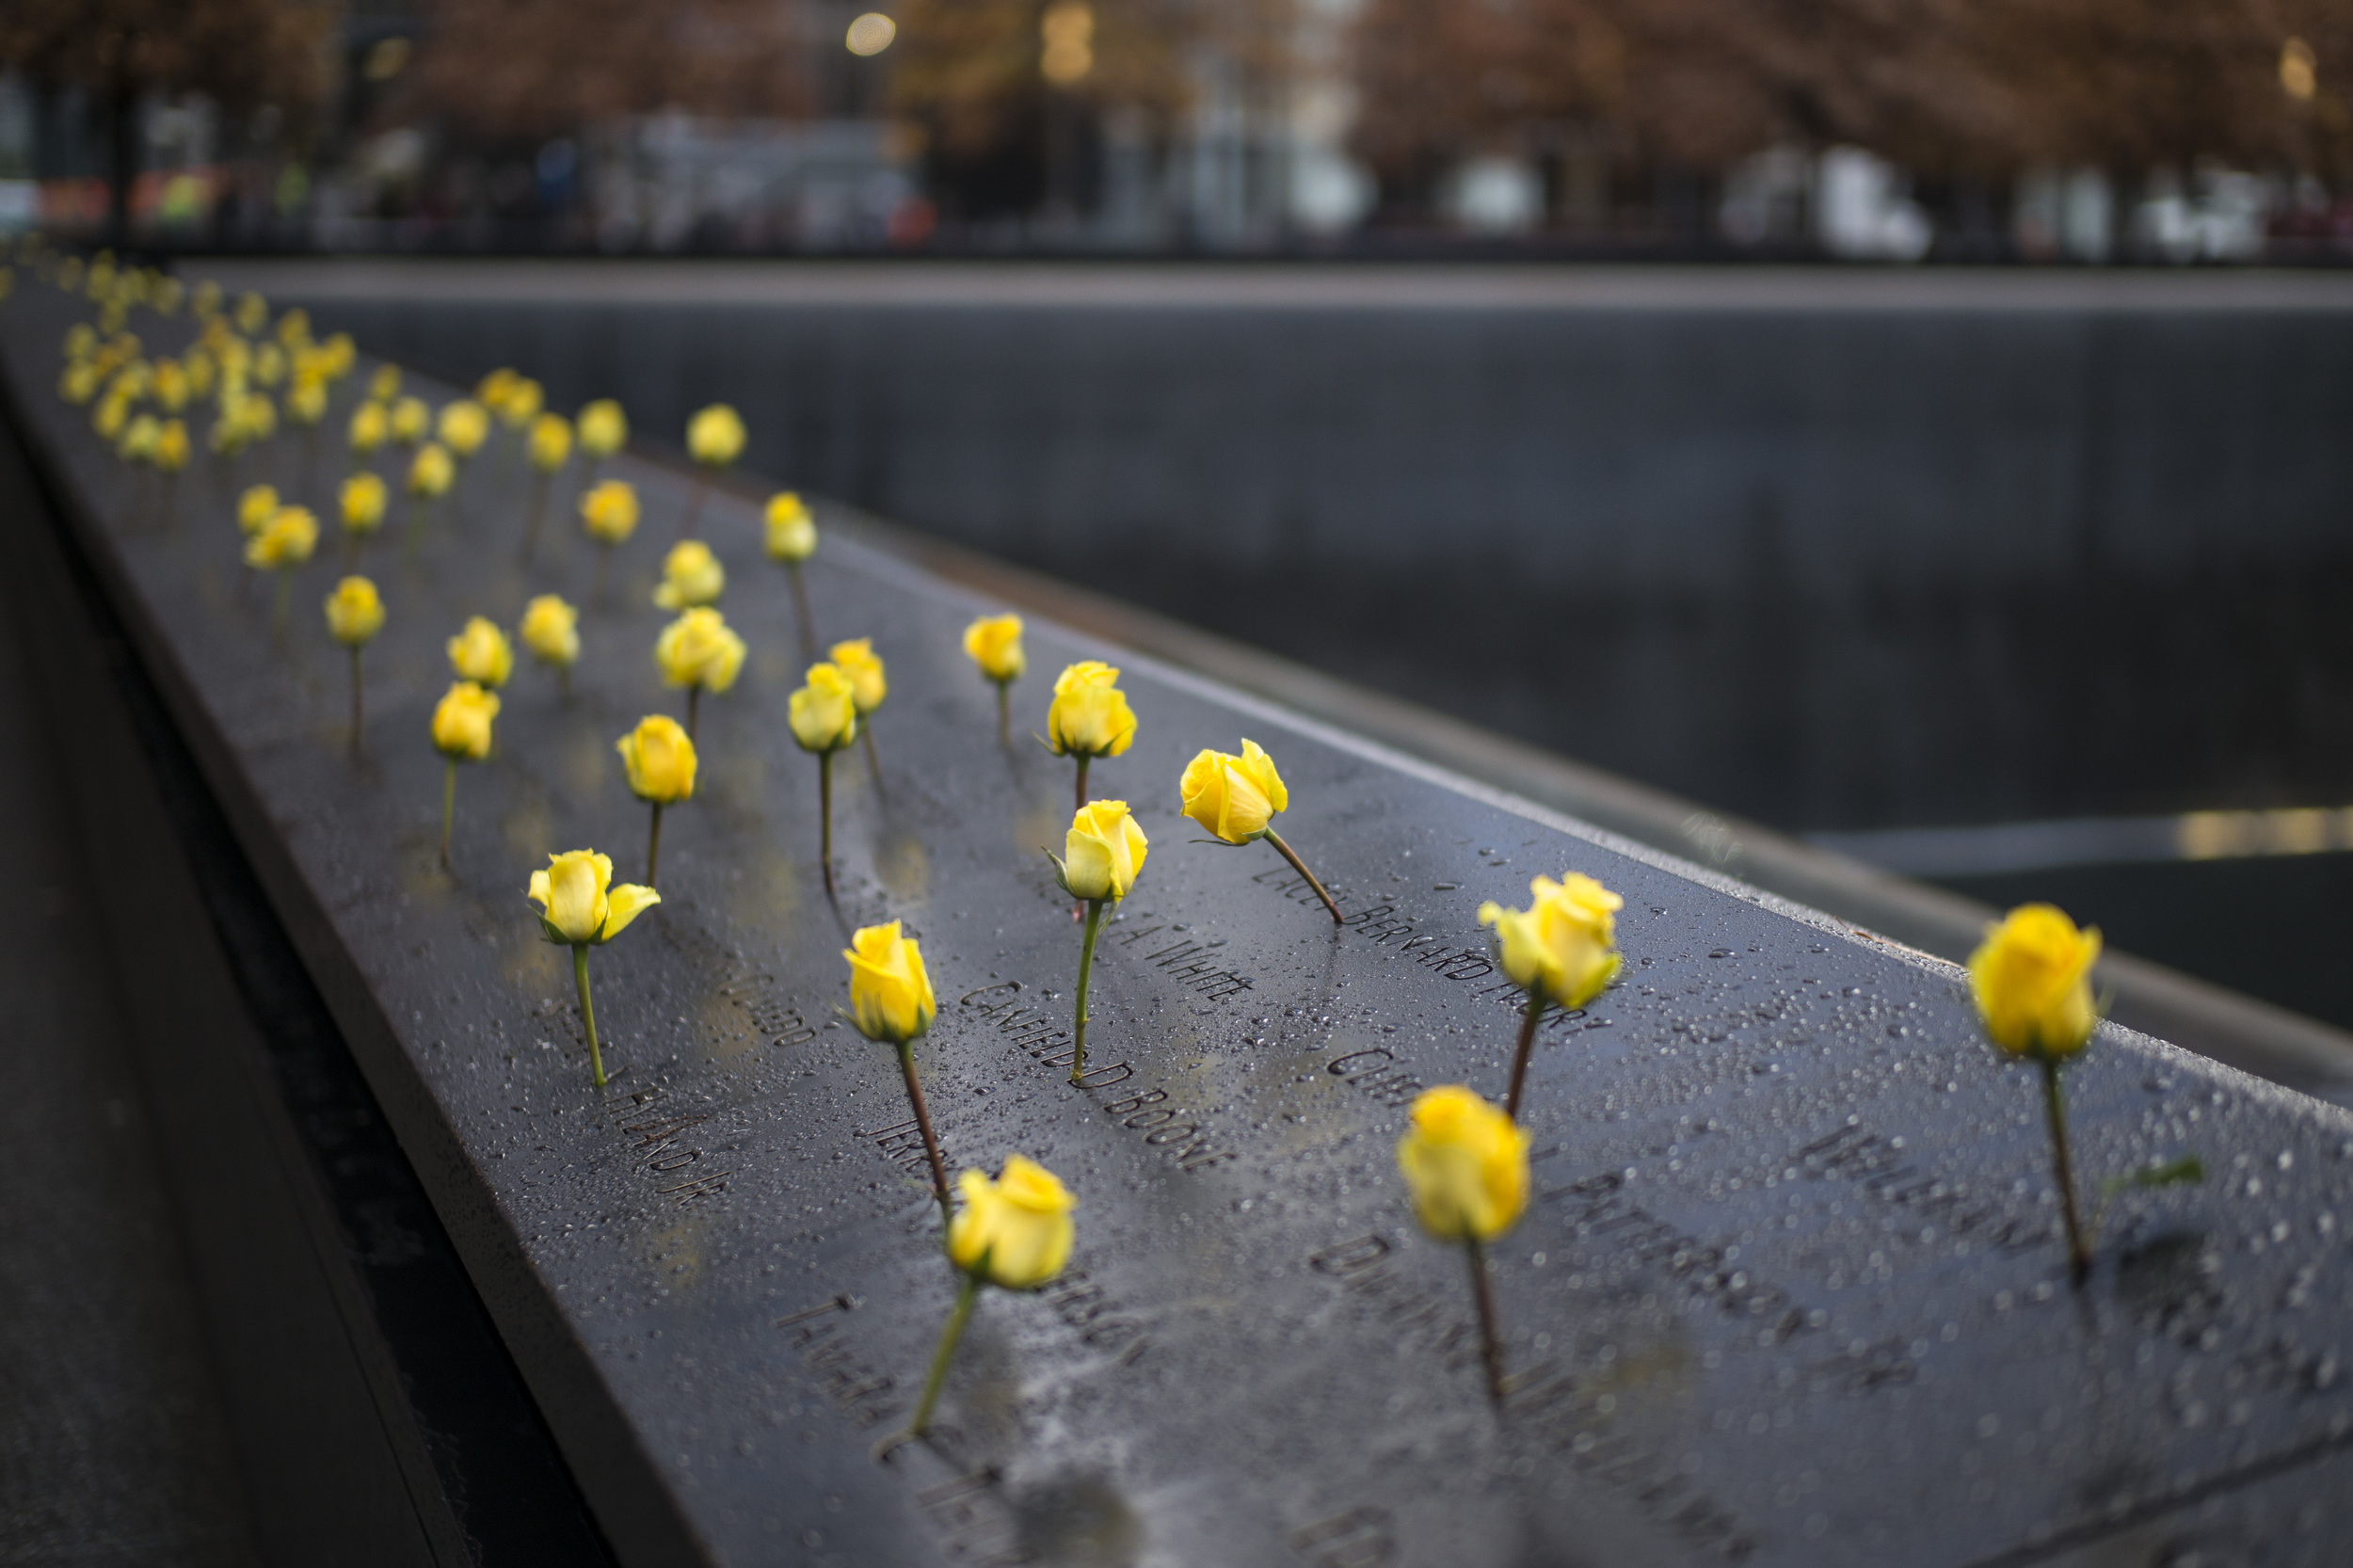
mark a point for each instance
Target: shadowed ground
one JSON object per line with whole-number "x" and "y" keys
{"x": 113, "y": 1449}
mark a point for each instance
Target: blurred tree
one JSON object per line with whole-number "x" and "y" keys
{"x": 532, "y": 69}
{"x": 992, "y": 84}
{"x": 1978, "y": 88}
{"x": 2134, "y": 84}
{"x": 241, "y": 54}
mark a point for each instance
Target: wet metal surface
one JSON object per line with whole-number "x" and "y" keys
{"x": 1790, "y": 1292}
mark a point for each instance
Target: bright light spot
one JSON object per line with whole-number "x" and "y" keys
{"x": 1069, "y": 32}
{"x": 872, "y": 34}
{"x": 2299, "y": 71}
{"x": 385, "y": 59}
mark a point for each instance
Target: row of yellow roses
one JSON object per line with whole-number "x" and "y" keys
{"x": 1464, "y": 1160}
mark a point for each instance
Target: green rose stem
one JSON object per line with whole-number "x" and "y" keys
{"x": 354, "y": 700}
{"x": 1532, "y": 1014}
{"x": 1301, "y": 867}
{"x": 538, "y": 512}
{"x": 693, "y": 707}
{"x": 694, "y": 506}
{"x": 923, "y": 1123}
{"x": 967, "y": 1293}
{"x": 800, "y": 610}
{"x": 587, "y": 1013}
{"x": 873, "y": 763}
{"x": 1083, "y": 760}
{"x": 449, "y": 807}
{"x": 604, "y": 569}
{"x": 1086, "y": 967}
{"x": 653, "y": 845}
{"x": 1483, "y": 1293}
{"x": 278, "y": 605}
{"x": 825, "y": 818}
{"x": 1004, "y": 713}
{"x": 2078, "y": 1251}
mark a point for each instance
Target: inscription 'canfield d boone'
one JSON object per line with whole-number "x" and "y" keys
{"x": 1788, "y": 1291}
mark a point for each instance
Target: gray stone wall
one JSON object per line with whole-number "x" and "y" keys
{"x": 1836, "y": 551}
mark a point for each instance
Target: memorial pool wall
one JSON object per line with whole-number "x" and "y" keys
{"x": 1789, "y": 1291}
{"x": 1834, "y": 549}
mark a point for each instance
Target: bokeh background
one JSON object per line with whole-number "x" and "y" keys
{"x": 1975, "y": 130}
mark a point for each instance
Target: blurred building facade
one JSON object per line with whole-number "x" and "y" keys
{"x": 2046, "y": 130}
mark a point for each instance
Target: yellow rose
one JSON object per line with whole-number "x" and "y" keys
{"x": 1089, "y": 716}
{"x": 891, "y": 994}
{"x": 205, "y": 301}
{"x": 410, "y": 421}
{"x": 385, "y": 384}
{"x": 286, "y": 540}
{"x": 463, "y": 426}
{"x": 366, "y": 430}
{"x": 432, "y": 471}
{"x": 461, "y": 722}
{"x": 603, "y": 428}
{"x": 1466, "y": 1163}
{"x": 257, "y": 416}
{"x": 609, "y": 511}
{"x": 361, "y": 500}
{"x": 551, "y": 630}
{"x": 138, "y": 439}
{"x": 698, "y": 649}
{"x": 792, "y": 532}
{"x": 1102, "y": 853}
{"x": 856, "y": 660}
{"x": 490, "y": 391}
{"x": 269, "y": 365}
{"x": 79, "y": 383}
{"x": 293, "y": 327}
{"x": 2032, "y": 980}
{"x": 824, "y": 713}
{"x": 1233, "y": 796}
{"x": 520, "y": 404}
{"x": 172, "y": 446}
{"x": 715, "y": 436}
{"x": 113, "y": 413}
{"x": 340, "y": 354}
{"x": 481, "y": 653}
{"x": 578, "y": 904}
{"x": 354, "y": 613}
{"x": 1562, "y": 948}
{"x": 690, "y": 576}
{"x": 1015, "y": 1231}
{"x": 171, "y": 386}
{"x": 660, "y": 758}
{"x": 994, "y": 643}
{"x": 306, "y": 403}
{"x": 550, "y": 443}
{"x": 252, "y": 313}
